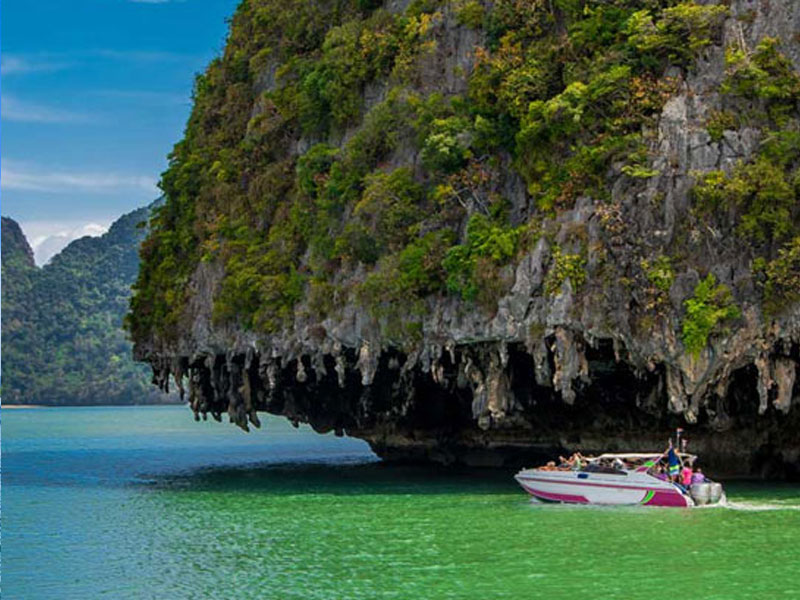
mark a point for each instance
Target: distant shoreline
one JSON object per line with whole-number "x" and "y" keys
{"x": 13, "y": 406}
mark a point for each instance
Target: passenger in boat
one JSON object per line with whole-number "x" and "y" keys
{"x": 659, "y": 473}
{"x": 674, "y": 463}
{"x": 574, "y": 462}
{"x": 698, "y": 476}
{"x": 550, "y": 466}
{"x": 577, "y": 461}
{"x": 686, "y": 475}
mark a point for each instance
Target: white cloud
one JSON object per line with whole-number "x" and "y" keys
{"x": 13, "y": 109}
{"x": 17, "y": 64}
{"x": 23, "y": 64}
{"x": 49, "y": 238}
{"x": 145, "y": 97}
{"x": 35, "y": 178}
{"x": 137, "y": 55}
{"x": 10, "y": 65}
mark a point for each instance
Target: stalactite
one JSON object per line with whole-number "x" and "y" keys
{"x": 764, "y": 382}
{"x": 499, "y": 389}
{"x": 785, "y": 371}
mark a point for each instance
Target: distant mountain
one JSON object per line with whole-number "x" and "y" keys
{"x": 17, "y": 253}
{"x": 46, "y": 248}
{"x": 62, "y": 341}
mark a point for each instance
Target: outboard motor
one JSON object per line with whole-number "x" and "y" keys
{"x": 715, "y": 492}
{"x": 701, "y": 493}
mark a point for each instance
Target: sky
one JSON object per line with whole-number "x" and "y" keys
{"x": 93, "y": 95}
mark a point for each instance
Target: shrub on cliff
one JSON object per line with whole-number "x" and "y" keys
{"x": 783, "y": 277}
{"x": 565, "y": 266}
{"x": 765, "y": 74}
{"x": 710, "y": 306}
{"x": 487, "y": 245}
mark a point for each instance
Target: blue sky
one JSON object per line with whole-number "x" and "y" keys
{"x": 94, "y": 94}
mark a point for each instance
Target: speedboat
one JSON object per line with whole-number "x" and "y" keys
{"x": 617, "y": 479}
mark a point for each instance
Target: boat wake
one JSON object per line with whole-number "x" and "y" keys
{"x": 754, "y": 506}
{"x": 721, "y": 505}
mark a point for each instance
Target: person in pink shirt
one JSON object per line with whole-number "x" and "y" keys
{"x": 686, "y": 475}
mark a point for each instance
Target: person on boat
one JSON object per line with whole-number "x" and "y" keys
{"x": 686, "y": 475}
{"x": 574, "y": 462}
{"x": 577, "y": 461}
{"x": 660, "y": 474}
{"x": 698, "y": 476}
{"x": 674, "y": 463}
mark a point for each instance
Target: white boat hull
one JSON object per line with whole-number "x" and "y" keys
{"x": 580, "y": 487}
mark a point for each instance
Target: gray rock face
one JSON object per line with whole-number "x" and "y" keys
{"x": 590, "y": 368}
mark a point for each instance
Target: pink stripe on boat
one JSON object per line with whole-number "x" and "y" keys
{"x": 558, "y": 497}
{"x": 584, "y": 482}
{"x": 665, "y": 498}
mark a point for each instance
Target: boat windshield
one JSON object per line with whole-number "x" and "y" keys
{"x": 596, "y": 468}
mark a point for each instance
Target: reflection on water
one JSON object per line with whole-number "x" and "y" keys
{"x": 341, "y": 476}
{"x": 145, "y": 503}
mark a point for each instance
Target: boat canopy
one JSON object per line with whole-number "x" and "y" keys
{"x": 636, "y": 457}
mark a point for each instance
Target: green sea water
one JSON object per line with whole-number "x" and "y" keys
{"x": 142, "y": 502}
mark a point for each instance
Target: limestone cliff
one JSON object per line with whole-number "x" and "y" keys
{"x": 482, "y": 232}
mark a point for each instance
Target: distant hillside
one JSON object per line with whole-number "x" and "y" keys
{"x": 62, "y": 341}
{"x": 17, "y": 253}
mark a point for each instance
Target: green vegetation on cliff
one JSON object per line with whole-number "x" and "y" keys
{"x": 328, "y": 160}
{"x": 62, "y": 336}
{"x": 709, "y": 307}
{"x": 762, "y": 195}
{"x": 765, "y": 191}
